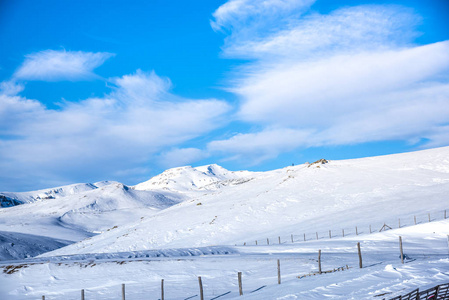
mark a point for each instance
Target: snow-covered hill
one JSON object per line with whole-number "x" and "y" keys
{"x": 302, "y": 199}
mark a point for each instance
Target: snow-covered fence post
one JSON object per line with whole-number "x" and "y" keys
{"x": 319, "y": 261}
{"x": 360, "y": 255}
{"x": 162, "y": 289}
{"x": 201, "y": 288}
{"x": 82, "y": 295}
{"x": 123, "y": 291}
{"x": 279, "y": 272}
{"x": 239, "y": 275}
{"x": 448, "y": 241}
{"x": 400, "y": 247}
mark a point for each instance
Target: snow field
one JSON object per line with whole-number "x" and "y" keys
{"x": 199, "y": 207}
{"x": 382, "y": 273}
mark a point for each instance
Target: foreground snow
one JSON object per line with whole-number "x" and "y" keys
{"x": 382, "y": 275}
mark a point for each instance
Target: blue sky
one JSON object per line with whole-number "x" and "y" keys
{"x": 108, "y": 90}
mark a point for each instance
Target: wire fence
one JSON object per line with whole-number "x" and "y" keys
{"x": 387, "y": 224}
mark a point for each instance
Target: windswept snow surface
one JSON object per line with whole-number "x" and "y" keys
{"x": 193, "y": 208}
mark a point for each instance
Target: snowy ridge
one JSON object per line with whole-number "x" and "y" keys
{"x": 163, "y": 253}
{"x": 8, "y": 199}
{"x": 187, "y": 178}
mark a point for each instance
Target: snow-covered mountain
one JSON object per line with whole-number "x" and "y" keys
{"x": 122, "y": 234}
{"x": 79, "y": 211}
{"x": 8, "y": 199}
{"x": 188, "y": 179}
{"x": 294, "y": 200}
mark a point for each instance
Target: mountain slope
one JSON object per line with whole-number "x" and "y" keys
{"x": 300, "y": 199}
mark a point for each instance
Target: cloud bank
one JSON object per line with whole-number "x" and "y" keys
{"x": 343, "y": 78}
{"x": 98, "y": 136}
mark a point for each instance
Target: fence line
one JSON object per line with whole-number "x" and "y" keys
{"x": 401, "y": 223}
{"x": 437, "y": 292}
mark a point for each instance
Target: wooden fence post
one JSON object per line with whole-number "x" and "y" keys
{"x": 399, "y": 222}
{"x": 279, "y": 239}
{"x": 445, "y": 214}
{"x": 43, "y": 297}
{"x": 292, "y": 238}
{"x": 240, "y": 283}
{"x": 256, "y": 242}
{"x": 82, "y": 295}
{"x": 370, "y": 229}
{"x": 268, "y": 241}
{"x": 415, "y": 219}
{"x": 343, "y": 232}
{"x": 162, "y": 289}
{"x": 330, "y": 234}
{"x": 201, "y": 288}
{"x": 429, "y": 216}
{"x": 123, "y": 291}
{"x": 319, "y": 261}
{"x": 356, "y": 231}
{"x": 279, "y": 272}
{"x": 400, "y": 247}
{"x": 304, "y": 237}
{"x": 448, "y": 242}
{"x": 360, "y": 255}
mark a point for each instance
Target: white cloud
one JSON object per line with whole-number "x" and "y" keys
{"x": 238, "y": 13}
{"x": 91, "y": 138}
{"x": 257, "y": 147}
{"x": 50, "y": 65}
{"x": 349, "y": 29}
{"x": 347, "y": 77}
{"x": 11, "y": 88}
{"x": 320, "y": 93}
{"x": 181, "y": 157}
